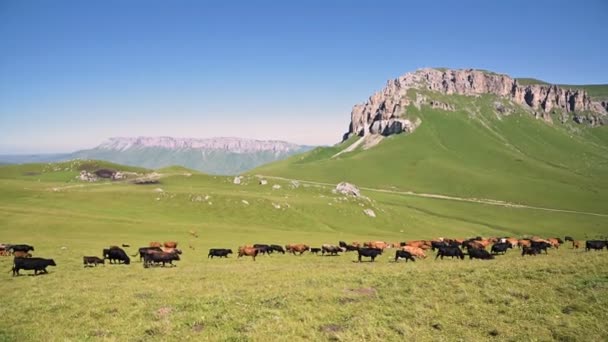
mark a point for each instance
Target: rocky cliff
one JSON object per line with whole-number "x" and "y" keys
{"x": 385, "y": 112}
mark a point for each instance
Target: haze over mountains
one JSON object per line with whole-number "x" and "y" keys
{"x": 214, "y": 155}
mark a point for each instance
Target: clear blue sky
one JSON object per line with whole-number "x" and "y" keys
{"x": 73, "y": 73}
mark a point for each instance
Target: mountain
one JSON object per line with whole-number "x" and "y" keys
{"x": 471, "y": 134}
{"x": 213, "y": 156}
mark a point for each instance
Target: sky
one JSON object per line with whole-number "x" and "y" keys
{"x": 74, "y": 73}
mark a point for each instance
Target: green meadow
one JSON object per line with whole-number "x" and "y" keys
{"x": 559, "y": 296}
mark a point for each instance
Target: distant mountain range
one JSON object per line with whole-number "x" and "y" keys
{"x": 213, "y": 156}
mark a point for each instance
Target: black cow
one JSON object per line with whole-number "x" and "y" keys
{"x": 219, "y": 252}
{"x": 92, "y": 261}
{"x": 277, "y": 248}
{"x": 449, "y": 251}
{"x": 540, "y": 245}
{"x": 20, "y": 248}
{"x": 438, "y": 244}
{"x": 158, "y": 258}
{"x": 597, "y": 245}
{"x": 530, "y": 251}
{"x": 477, "y": 253}
{"x": 404, "y": 255}
{"x": 569, "y": 238}
{"x": 36, "y": 264}
{"x": 116, "y": 254}
{"x": 315, "y": 250}
{"x": 500, "y": 247}
{"x": 330, "y": 249}
{"x": 342, "y": 244}
{"x": 369, "y": 253}
{"x": 145, "y": 250}
{"x": 262, "y": 248}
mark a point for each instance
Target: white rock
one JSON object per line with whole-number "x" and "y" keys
{"x": 158, "y": 190}
{"x": 276, "y": 206}
{"x": 237, "y": 180}
{"x": 263, "y": 182}
{"x": 348, "y": 189}
{"x": 245, "y": 202}
{"x": 276, "y": 187}
{"x": 369, "y": 213}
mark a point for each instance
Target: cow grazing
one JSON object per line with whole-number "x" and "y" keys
{"x": 477, "y": 253}
{"x": 500, "y": 247}
{"x": 369, "y": 253}
{"x": 331, "y": 249}
{"x": 529, "y": 251}
{"x": 157, "y": 258}
{"x": 116, "y": 254}
{"x": 20, "y": 254}
{"x": 315, "y": 250}
{"x": 248, "y": 251}
{"x": 277, "y": 248}
{"x": 36, "y": 264}
{"x": 219, "y": 252}
{"x": 597, "y": 245}
{"x": 21, "y": 248}
{"x": 449, "y": 251}
{"x": 297, "y": 247}
{"x": 90, "y": 261}
{"x": 404, "y": 255}
{"x": 145, "y": 250}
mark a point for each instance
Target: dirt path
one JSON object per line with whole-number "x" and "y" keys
{"x": 448, "y": 198}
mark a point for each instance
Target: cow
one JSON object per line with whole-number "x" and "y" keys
{"x": 500, "y": 247}
{"x": 415, "y": 251}
{"x": 347, "y": 247}
{"x": 262, "y": 248}
{"x": 437, "y": 244}
{"x": 297, "y": 247}
{"x": 541, "y": 245}
{"x": 170, "y": 244}
{"x": 449, "y": 251}
{"x": 576, "y": 244}
{"x": 554, "y": 242}
{"x": 404, "y": 255}
{"x": 376, "y": 244}
{"x": 369, "y": 253}
{"x": 155, "y": 244}
{"x": 569, "y": 238}
{"x": 315, "y": 250}
{"x": 248, "y": 251}
{"x": 92, "y": 261}
{"x": 20, "y": 248}
{"x": 514, "y": 242}
{"x": 477, "y": 253}
{"x": 36, "y": 264}
{"x": 160, "y": 257}
{"x": 20, "y": 254}
{"x": 171, "y": 250}
{"x": 331, "y": 249}
{"x": 116, "y": 254}
{"x": 145, "y": 250}
{"x": 277, "y": 248}
{"x": 526, "y": 250}
{"x": 597, "y": 245}
{"x": 524, "y": 243}
{"x": 423, "y": 244}
{"x": 219, "y": 252}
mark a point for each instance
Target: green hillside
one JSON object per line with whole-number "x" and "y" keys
{"x": 596, "y": 91}
{"x": 516, "y": 159}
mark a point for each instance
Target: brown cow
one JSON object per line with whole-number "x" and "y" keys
{"x": 170, "y": 244}
{"x": 553, "y": 242}
{"x": 514, "y": 242}
{"x": 423, "y": 244}
{"x": 376, "y": 244}
{"x": 524, "y": 243}
{"x": 576, "y": 244}
{"x": 356, "y": 244}
{"x": 21, "y": 254}
{"x": 155, "y": 244}
{"x": 296, "y": 247}
{"x": 248, "y": 251}
{"x": 415, "y": 251}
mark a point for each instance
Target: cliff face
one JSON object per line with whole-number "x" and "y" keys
{"x": 383, "y": 112}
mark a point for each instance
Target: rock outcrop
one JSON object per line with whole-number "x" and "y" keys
{"x": 385, "y": 112}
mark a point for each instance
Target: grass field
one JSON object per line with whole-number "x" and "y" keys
{"x": 561, "y": 296}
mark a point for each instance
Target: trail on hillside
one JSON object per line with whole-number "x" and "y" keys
{"x": 448, "y": 198}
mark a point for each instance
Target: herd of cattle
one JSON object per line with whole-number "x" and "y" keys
{"x": 156, "y": 254}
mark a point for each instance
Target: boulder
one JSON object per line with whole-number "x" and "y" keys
{"x": 348, "y": 189}
{"x": 369, "y": 213}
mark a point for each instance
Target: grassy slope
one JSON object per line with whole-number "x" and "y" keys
{"x": 596, "y": 91}
{"x": 560, "y": 296}
{"x": 516, "y": 159}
